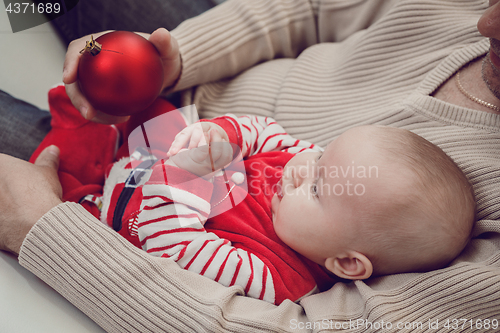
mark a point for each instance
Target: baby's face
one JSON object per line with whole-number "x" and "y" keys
{"x": 322, "y": 196}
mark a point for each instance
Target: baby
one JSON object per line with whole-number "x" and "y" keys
{"x": 376, "y": 201}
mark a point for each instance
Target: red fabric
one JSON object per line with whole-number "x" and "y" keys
{"x": 159, "y": 127}
{"x": 80, "y": 171}
{"x": 187, "y": 181}
{"x": 227, "y": 123}
{"x": 87, "y": 148}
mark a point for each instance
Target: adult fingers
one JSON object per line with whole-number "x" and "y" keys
{"x": 168, "y": 48}
{"x": 70, "y": 67}
{"x": 49, "y": 157}
{"x": 87, "y": 110}
{"x": 164, "y": 43}
{"x": 72, "y": 58}
{"x": 79, "y": 101}
{"x": 49, "y": 160}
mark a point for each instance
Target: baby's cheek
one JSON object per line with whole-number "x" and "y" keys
{"x": 275, "y": 201}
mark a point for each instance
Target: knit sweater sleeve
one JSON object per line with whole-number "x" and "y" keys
{"x": 238, "y": 34}
{"x": 174, "y": 209}
{"x": 124, "y": 289}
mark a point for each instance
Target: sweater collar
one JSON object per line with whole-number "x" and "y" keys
{"x": 421, "y": 101}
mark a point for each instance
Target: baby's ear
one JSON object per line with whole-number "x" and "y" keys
{"x": 351, "y": 266}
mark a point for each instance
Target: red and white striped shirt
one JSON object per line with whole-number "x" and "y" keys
{"x": 176, "y": 205}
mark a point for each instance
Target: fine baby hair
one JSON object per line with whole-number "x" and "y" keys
{"x": 427, "y": 220}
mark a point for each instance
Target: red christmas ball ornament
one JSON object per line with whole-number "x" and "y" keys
{"x": 120, "y": 73}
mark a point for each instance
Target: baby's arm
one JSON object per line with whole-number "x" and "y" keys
{"x": 264, "y": 134}
{"x": 255, "y": 134}
{"x": 252, "y": 134}
{"x": 175, "y": 206}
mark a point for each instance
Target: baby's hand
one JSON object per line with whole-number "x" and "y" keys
{"x": 206, "y": 153}
{"x": 196, "y": 135}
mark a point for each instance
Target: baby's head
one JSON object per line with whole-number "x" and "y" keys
{"x": 378, "y": 201}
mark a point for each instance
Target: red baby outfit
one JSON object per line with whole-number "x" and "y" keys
{"x": 88, "y": 149}
{"x": 169, "y": 212}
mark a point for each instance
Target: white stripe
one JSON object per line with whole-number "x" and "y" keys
{"x": 176, "y": 195}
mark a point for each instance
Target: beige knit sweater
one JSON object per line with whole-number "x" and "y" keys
{"x": 331, "y": 74}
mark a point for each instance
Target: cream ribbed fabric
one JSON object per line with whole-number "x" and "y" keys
{"x": 381, "y": 75}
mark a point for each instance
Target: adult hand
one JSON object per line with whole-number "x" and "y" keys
{"x": 28, "y": 192}
{"x": 164, "y": 42}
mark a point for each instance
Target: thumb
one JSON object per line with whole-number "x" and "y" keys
{"x": 49, "y": 157}
{"x": 168, "y": 48}
{"x": 164, "y": 43}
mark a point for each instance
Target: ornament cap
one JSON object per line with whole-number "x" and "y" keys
{"x": 92, "y": 46}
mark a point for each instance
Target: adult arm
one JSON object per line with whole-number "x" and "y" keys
{"x": 123, "y": 288}
{"x": 28, "y": 192}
